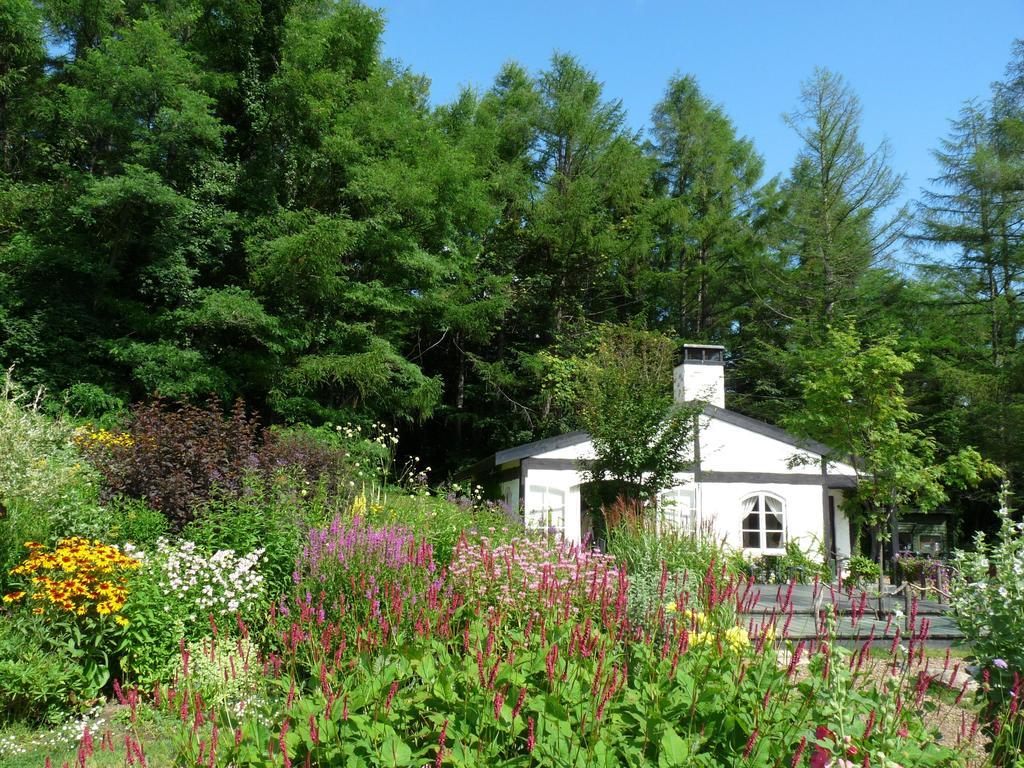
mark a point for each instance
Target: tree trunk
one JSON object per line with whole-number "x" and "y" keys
{"x": 881, "y": 566}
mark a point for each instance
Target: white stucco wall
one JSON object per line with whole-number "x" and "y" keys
{"x": 566, "y": 481}
{"x": 721, "y": 505}
{"x": 844, "y": 547}
{"x": 727, "y": 447}
{"x": 584, "y": 450}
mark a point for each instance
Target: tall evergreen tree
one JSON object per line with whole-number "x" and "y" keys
{"x": 708, "y": 244}
{"x": 974, "y": 215}
{"x": 839, "y": 195}
{"x": 834, "y": 236}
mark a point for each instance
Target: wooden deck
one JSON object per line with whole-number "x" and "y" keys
{"x": 804, "y": 605}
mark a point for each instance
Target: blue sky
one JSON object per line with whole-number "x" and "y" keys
{"x": 913, "y": 63}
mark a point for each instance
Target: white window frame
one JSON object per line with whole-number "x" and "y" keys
{"x": 549, "y": 513}
{"x": 762, "y": 530}
{"x": 677, "y": 510}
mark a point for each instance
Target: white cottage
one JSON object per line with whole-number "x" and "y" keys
{"x": 742, "y": 486}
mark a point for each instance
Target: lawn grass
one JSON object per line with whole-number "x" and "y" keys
{"x": 152, "y": 728}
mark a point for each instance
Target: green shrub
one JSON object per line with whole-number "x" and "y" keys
{"x": 155, "y": 626}
{"x": 39, "y": 678}
{"x": 268, "y": 515}
{"x": 646, "y": 595}
{"x": 134, "y": 521}
{"x": 225, "y": 671}
{"x": 47, "y": 492}
{"x": 642, "y": 550}
{"x": 862, "y": 572}
{"x": 794, "y": 564}
{"x": 988, "y": 602}
{"x": 442, "y": 521}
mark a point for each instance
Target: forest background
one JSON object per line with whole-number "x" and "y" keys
{"x": 247, "y": 199}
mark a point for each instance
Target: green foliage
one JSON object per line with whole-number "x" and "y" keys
{"x": 643, "y": 551}
{"x": 861, "y": 572}
{"x": 988, "y": 597}
{"x": 259, "y": 203}
{"x": 622, "y": 391}
{"x": 155, "y": 626}
{"x": 47, "y": 491}
{"x": 133, "y": 521}
{"x": 443, "y": 520}
{"x": 226, "y": 672}
{"x": 705, "y": 215}
{"x": 270, "y": 516}
{"x": 854, "y": 402}
{"x": 795, "y": 564}
{"x": 39, "y": 678}
{"x": 519, "y": 686}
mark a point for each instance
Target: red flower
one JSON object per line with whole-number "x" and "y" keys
{"x": 820, "y": 757}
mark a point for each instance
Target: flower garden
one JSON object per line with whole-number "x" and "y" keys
{"x": 187, "y": 589}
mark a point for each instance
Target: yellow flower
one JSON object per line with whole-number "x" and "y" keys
{"x": 121, "y": 620}
{"x": 670, "y": 607}
{"x": 11, "y": 597}
{"x": 701, "y": 638}
{"x": 697, "y": 617}
{"x": 737, "y": 638}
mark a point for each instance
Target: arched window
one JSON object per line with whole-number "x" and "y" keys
{"x": 764, "y": 522}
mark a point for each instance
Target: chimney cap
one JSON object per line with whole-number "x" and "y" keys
{"x": 702, "y": 354}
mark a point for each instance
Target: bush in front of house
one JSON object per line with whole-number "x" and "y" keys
{"x": 861, "y": 572}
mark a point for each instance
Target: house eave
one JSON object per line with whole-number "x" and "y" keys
{"x": 538, "y": 447}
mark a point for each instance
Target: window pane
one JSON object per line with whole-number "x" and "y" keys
{"x": 771, "y": 504}
{"x": 773, "y": 522}
{"x": 774, "y": 540}
{"x": 752, "y": 522}
{"x": 757, "y": 504}
{"x": 751, "y": 539}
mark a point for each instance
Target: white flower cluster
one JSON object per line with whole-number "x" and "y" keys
{"x": 223, "y": 584}
{"x": 61, "y": 737}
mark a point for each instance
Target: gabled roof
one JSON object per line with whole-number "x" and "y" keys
{"x": 540, "y": 446}
{"x": 526, "y": 450}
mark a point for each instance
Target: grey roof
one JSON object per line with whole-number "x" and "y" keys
{"x": 540, "y": 446}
